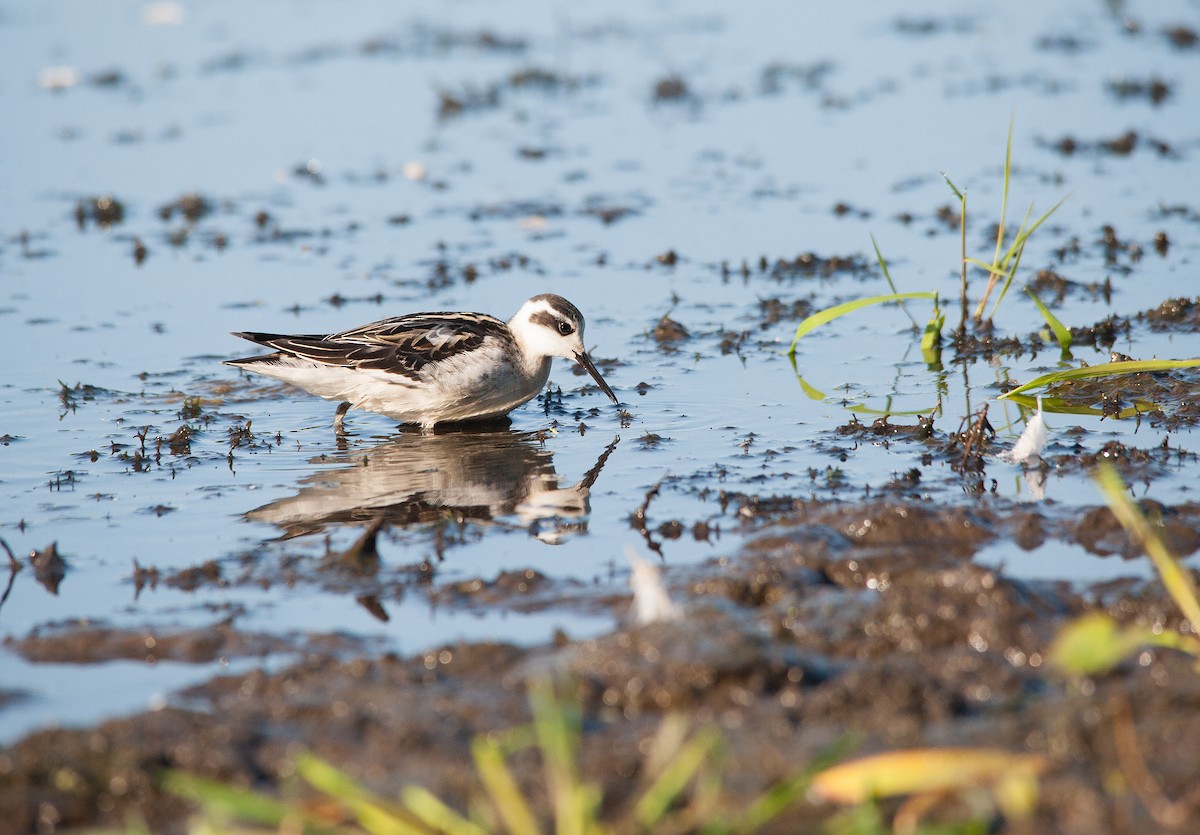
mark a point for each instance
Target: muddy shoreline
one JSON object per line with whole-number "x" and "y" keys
{"x": 866, "y": 621}
{"x": 860, "y": 560}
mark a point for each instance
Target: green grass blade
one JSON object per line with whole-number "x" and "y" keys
{"x": 1007, "y": 178}
{"x": 1178, "y": 582}
{"x": 1109, "y": 369}
{"x": 887, "y": 275}
{"x": 931, "y": 340}
{"x": 502, "y": 788}
{"x": 953, "y": 187}
{"x": 1095, "y": 643}
{"x": 827, "y": 315}
{"x": 1012, "y": 271}
{"x": 1024, "y": 235}
{"x": 663, "y": 792}
{"x": 792, "y": 790}
{"x": 962, "y": 240}
{"x": 556, "y": 726}
{"x": 983, "y": 265}
{"x": 226, "y": 802}
{"x": 1059, "y": 406}
{"x": 883, "y": 265}
{"x": 435, "y": 814}
{"x": 376, "y": 815}
{"x": 1061, "y": 332}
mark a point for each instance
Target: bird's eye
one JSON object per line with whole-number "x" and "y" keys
{"x": 565, "y": 328}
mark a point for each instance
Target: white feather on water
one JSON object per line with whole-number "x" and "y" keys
{"x": 1028, "y": 448}
{"x": 651, "y": 603}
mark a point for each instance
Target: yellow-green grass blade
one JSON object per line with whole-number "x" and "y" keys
{"x": 1095, "y": 643}
{"x": 1178, "y": 582}
{"x": 1061, "y": 332}
{"x": 557, "y": 725}
{"x": 883, "y": 265}
{"x": 822, "y": 317}
{"x": 1024, "y": 234}
{"x": 1007, "y": 179}
{"x": 376, "y": 815}
{"x": 1109, "y": 369}
{"x": 225, "y": 802}
{"x": 1012, "y": 271}
{"x": 888, "y": 276}
{"x": 960, "y": 195}
{"x": 931, "y": 339}
{"x": 814, "y": 393}
{"x": 1011, "y": 778}
{"x": 1060, "y": 406}
{"x": 999, "y": 265}
{"x": 502, "y": 787}
{"x": 435, "y": 814}
{"x": 811, "y": 391}
{"x": 984, "y": 265}
{"x": 790, "y": 790}
{"x": 664, "y": 791}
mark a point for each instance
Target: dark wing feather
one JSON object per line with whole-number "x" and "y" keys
{"x": 402, "y": 345}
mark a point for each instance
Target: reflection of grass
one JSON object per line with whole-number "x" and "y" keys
{"x": 1111, "y": 369}
{"x": 1062, "y": 406}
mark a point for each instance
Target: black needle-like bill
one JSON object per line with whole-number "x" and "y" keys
{"x": 586, "y": 362}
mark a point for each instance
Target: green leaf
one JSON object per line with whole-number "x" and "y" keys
{"x": 984, "y": 265}
{"x": 1007, "y": 178}
{"x": 1108, "y": 369}
{"x": 1061, "y": 332}
{"x": 1094, "y": 644}
{"x": 931, "y": 340}
{"x": 502, "y": 787}
{"x": 1024, "y": 235}
{"x": 1011, "y": 778}
{"x": 883, "y": 265}
{"x": 435, "y": 814}
{"x": 961, "y": 197}
{"x": 557, "y": 726}
{"x": 791, "y": 790}
{"x": 226, "y": 802}
{"x": 1012, "y": 271}
{"x": 376, "y": 815}
{"x": 827, "y": 315}
{"x": 1061, "y": 406}
{"x": 664, "y": 791}
{"x": 887, "y": 275}
{"x": 1177, "y": 581}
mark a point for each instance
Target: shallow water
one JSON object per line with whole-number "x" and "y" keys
{"x": 313, "y": 131}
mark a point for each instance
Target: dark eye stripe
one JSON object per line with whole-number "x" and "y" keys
{"x": 549, "y": 320}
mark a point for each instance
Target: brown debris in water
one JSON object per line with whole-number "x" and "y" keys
{"x": 668, "y": 331}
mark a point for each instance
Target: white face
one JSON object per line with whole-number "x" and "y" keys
{"x": 550, "y": 326}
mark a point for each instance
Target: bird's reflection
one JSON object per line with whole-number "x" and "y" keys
{"x": 499, "y": 477}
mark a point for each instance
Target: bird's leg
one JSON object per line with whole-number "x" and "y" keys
{"x": 339, "y": 419}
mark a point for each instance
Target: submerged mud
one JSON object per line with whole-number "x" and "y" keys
{"x": 862, "y": 622}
